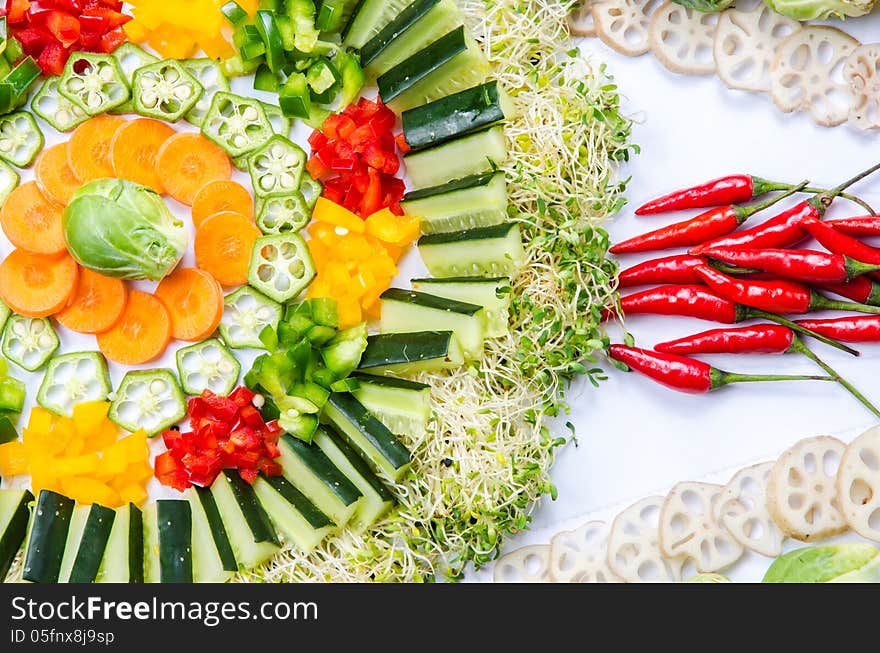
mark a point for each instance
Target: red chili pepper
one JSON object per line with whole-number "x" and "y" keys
{"x": 689, "y": 375}
{"x": 860, "y": 289}
{"x": 700, "y": 302}
{"x": 733, "y": 189}
{"x": 711, "y": 224}
{"x": 775, "y": 296}
{"x": 858, "y": 328}
{"x": 787, "y": 228}
{"x": 669, "y": 269}
{"x": 802, "y": 265}
{"x": 757, "y": 339}
{"x": 840, "y": 243}
{"x": 864, "y": 225}
{"x": 761, "y": 338}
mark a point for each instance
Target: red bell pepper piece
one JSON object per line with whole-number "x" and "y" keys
{"x": 112, "y": 40}
{"x": 53, "y": 58}
{"x": 17, "y": 10}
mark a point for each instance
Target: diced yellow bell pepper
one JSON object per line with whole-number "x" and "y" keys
{"x": 141, "y": 471}
{"x": 149, "y": 14}
{"x": 135, "y": 447}
{"x": 89, "y": 416}
{"x": 103, "y": 437}
{"x": 393, "y": 229}
{"x": 13, "y": 459}
{"x": 88, "y": 490}
{"x": 349, "y": 313}
{"x": 113, "y": 462}
{"x": 41, "y": 420}
{"x": 354, "y": 247}
{"x": 77, "y": 466}
{"x": 172, "y": 42}
{"x": 135, "y": 494}
{"x": 216, "y": 47}
{"x": 63, "y": 433}
{"x": 332, "y": 213}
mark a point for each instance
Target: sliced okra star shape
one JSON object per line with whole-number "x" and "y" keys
{"x": 94, "y": 82}
{"x": 165, "y": 90}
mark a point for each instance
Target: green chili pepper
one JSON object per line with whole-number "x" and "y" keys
{"x": 94, "y": 82}
{"x": 237, "y": 124}
{"x": 164, "y": 90}
{"x": 20, "y": 139}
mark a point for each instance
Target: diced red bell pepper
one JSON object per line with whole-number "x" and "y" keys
{"x": 248, "y": 474}
{"x": 270, "y": 468}
{"x": 223, "y": 408}
{"x": 170, "y": 472}
{"x": 64, "y": 27}
{"x": 112, "y": 40}
{"x": 53, "y": 58}
{"x": 402, "y": 145}
{"x": 34, "y": 39}
{"x": 242, "y": 397}
{"x": 317, "y": 140}
{"x": 372, "y": 201}
{"x": 17, "y": 10}
{"x": 316, "y": 167}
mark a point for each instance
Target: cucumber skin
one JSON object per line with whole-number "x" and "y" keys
{"x": 218, "y": 529}
{"x": 91, "y": 550}
{"x": 13, "y": 537}
{"x": 135, "y": 544}
{"x": 174, "y": 520}
{"x": 250, "y": 506}
{"x": 408, "y": 74}
{"x": 45, "y": 548}
{"x": 396, "y": 348}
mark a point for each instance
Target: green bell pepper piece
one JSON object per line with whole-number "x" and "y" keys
{"x": 271, "y": 37}
{"x": 234, "y": 13}
{"x": 353, "y": 77}
{"x": 294, "y": 98}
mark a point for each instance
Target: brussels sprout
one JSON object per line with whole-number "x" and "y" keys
{"x": 124, "y": 230}
{"x": 821, "y": 9}
{"x": 841, "y": 563}
{"x": 708, "y": 578}
{"x": 706, "y": 6}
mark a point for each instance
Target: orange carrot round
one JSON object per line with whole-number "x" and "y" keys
{"x": 223, "y": 246}
{"x": 32, "y": 222}
{"x": 96, "y": 305}
{"x": 88, "y": 150}
{"x": 54, "y": 176}
{"x": 219, "y": 196}
{"x": 135, "y": 149}
{"x": 36, "y": 285}
{"x": 194, "y": 301}
{"x": 141, "y": 334}
{"x": 188, "y": 162}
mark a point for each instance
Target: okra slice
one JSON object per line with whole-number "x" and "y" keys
{"x": 29, "y": 342}
{"x": 5, "y": 313}
{"x": 211, "y": 77}
{"x": 9, "y": 179}
{"x": 72, "y": 379}
{"x": 246, "y": 313}
{"x": 276, "y": 215}
{"x": 94, "y": 82}
{"x": 55, "y": 109}
{"x": 207, "y": 365}
{"x": 148, "y": 399}
{"x": 237, "y": 124}
{"x": 164, "y": 90}
{"x": 281, "y": 124}
{"x": 277, "y": 167}
{"x": 281, "y": 266}
{"x": 311, "y": 190}
{"x": 130, "y": 58}
{"x": 20, "y": 139}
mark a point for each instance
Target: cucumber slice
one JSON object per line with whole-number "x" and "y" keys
{"x": 369, "y": 18}
{"x": 246, "y": 313}
{"x": 168, "y": 542}
{"x": 403, "y": 406}
{"x": 469, "y": 203}
{"x": 251, "y": 534}
{"x": 474, "y": 154}
{"x": 73, "y": 379}
{"x": 209, "y": 74}
{"x": 87, "y": 540}
{"x": 377, "y": 500}
{"x": 15, "y": 514}
{"x": 452, "y": 63}
{"x": 488, "y": 251}
{"x": 492, "y": 294}
{"x": 417, "y": 26}
{"x": 150, "y": 400}
{"x": 455, "y": 115}
{"x": 47, "y": 537}
{"x": 29, "y": 342}
{"x": 281, "y": 124}
{"x": 281, "y": 266}
{"x": 411, "y": 353}
{"x": 277, "y": 215}
{"x": 405, "y": 310}
{"x": 207, "y": 365}
{"x": 295, "y": 517}
{"x": 207, "y": 563}
{"x": 370, "y": 437}
{"x": 218, "y": 530}
{"x": 124, "y": 553}
{"x": 20, "y": 139}
{"x": 312, "y": 473}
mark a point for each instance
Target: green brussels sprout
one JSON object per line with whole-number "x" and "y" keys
{"x": 705, "y": 6}
{"x": 708, "y": 578}
{"x": 821, "y": 9}
{"x": 854, "y": 562}
{"x": 124, "y": 230}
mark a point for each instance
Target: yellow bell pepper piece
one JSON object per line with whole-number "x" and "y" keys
{"x": 90, "y": 415}
{"x": 13, "y": 459}
{"x": 349, "y": 313}
{"x": 393, "y": 229}
{"x": 76, "y": 466}
{"x": 41, "y": 420}
{"x": 172, "y": 42}
{"x": 135, "y": 494}
{"x": 331, "y": 213}
{"x": 88, "y": 490}
{"x": 113, "y": 462}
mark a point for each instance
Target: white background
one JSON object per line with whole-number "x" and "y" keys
{"x": 636, "y": 438}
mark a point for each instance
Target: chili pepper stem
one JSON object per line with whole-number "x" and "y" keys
{"x": 721, "y": 378}
{"x": 801, "y": 348}
{"x": 794, "y": 326}
{"x": 743, "y": 213}
{"x": 822, "y": 201}
{"x": 762, "y": 186}
{"x": 821, "y": 302}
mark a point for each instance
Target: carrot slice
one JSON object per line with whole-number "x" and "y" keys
{"x": 96, "y": 305}
{"x": 194, "y": 301}
{"x": 88, "y": 150}
{"x": 32, "y": 222}
{"x": 141, "y": 334}
{"x": 135, "y": 149}
{"x": 36, "y": 285}
{"x": 219, "y": 196}
{"x": 187, "y": 162}
{"x": 223, "y": 247}
{"x": 54, "y": 176}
